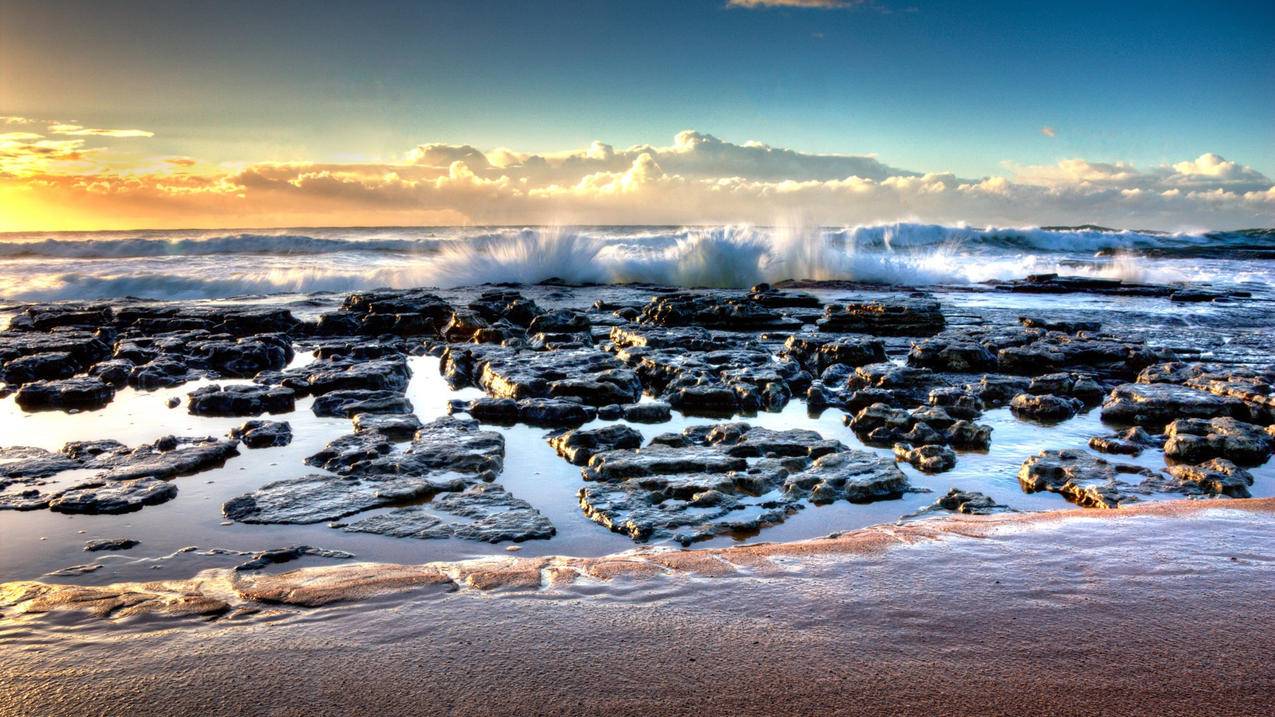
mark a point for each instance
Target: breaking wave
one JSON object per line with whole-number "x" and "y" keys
{"x": 159, "y": 265}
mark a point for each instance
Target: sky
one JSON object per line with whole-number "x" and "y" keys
{"x": 182, "y": 114}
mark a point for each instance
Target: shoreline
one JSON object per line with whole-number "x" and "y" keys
{"x": 220, "y": 592}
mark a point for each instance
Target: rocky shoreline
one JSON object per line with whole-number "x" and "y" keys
{"x": 909, "y": 375}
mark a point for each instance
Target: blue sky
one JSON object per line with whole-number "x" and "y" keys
{"x": 941, "y": 85}
{"x": 1144, "y": 114}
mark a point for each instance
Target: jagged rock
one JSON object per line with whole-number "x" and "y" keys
{"x": 883, "y": 425}
{"x": 912, "y": 316}
{"x": 164, "y": 372}
{"x": 1215, "y": 477}
{"x": 263, "y": 434}
{"x": 48, "y": 366}
{"x": 951, "y": 354}
{"x": 1193, "y": 440}
{"x": 1045, "y": 407}
{"x": 166, "y": 458}
{"x": 562, "y": 321}
{"x": 1080, "y": 477}
{"x": 351, "y": 453}
{"x": 715, "y": 310}
{"x": 1157, "y": 404}
{"x": 713, "y": 479}
{"x": 1131, "y": 442}
{"x": 929, "y": 458}
{"x": 243, "y": 358}
{"x": 957, "y": 402}
{"x": 547, "y": 412}
{"x": 997, "y": 390}
{"x": 587, "y": 374}
{"x": 393, "y": 427}
{"x": 1067, "y": 327}
{"x": 487, "y": 513}
{"x": 94, "y": 546}
{"x": 348, "y": 404}
{"x": 115, "y": 497}
{"x": 84, "y": 347}
{"x": 818, "y": 352}
{"x": 275, "y": 556}
{"x": 65, "y": 394}
{"x": 649, "y": 412}
{"x": 969, "y": 502}
{"x": 690, "y": 338}
{"x": 240, "y": 400}
{"x": 115, "y": 371}
{"x": 352, "y": 374}
{"x": 580, "y": 445}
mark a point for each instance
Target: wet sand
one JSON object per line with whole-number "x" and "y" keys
{"x": 1162, "y": 609}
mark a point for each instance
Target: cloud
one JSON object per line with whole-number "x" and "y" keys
{"x": 816, "y": 4}
{"x": 75, "y": 130}
{"x": 14, "y": 119}
{"x": 697, "y": 178}
{"x": 1048, "y": 131}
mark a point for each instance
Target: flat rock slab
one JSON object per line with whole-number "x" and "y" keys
{"x": 885, "y": 317}
{"x": 263, "y": 434}
{"x": 710, "y": 480}
{"x": 240, "y": 400}
{"x": 1157, "y": 404}
{"x": 485, "y": 512}
{"x": 84, "y": 393}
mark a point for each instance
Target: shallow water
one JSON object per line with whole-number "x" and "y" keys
{"x": 34, "y": 543}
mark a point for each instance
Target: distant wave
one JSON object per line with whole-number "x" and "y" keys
{"x": 888, "y": 237}
{"x": 725, "y": 257}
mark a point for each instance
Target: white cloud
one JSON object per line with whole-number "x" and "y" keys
{"x": 698, "y": 178}
{"x": 1048, "y": 131}
{"x": 75, "y": 130}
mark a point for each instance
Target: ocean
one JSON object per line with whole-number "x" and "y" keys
{"x": 220, "y": 264}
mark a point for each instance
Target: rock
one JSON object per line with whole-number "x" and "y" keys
{"x": 714, "y": 310}
{"x": 580, "y": 445}
{"x": 115, "y": 497}
{"x": 115, "y": 372}
{"x": 1055, "y": 284}
{"x": 240, "y": 400}
{"x": 48, "y": 366}
{"x": 393, "y": 427}
{"x": 1157, "y": 404}
{"x": 84, "y": 347}
{"x": 275, "y": 556}
{"x": 547, "y": 412}
{"x": 65, "y": 394}
{"x": 263, "y": 434}
{"x": 709, "y": 480}
{"x": 166, "y": 458}
{"x": 560, "y": 321}
{"x": 818, "y": 352}
{"x": 486, "y": 513}
{"x": 1067, "y": 327}
{"x": 948, "y": 354}
{"x": 649, "y": 412}
{"x": 1130, "y": 442}
{"x": 1217, "y": 476}
{"x": 1045, "y": 407}
{"x": 245, "y": 357}
{"x": 884, "y": 317}
{"x": 348, "y": 404}
{"x": 883, "y": 425}
{"x": 94, "y": 546}
{"x": 387, "y": 374}
{"x": 160, "y": 373}
{"x": 1080, "y": 477}
{"x": 969, "y": 502}
{"x": 1193, "y": 440}
{"x": 929, "y": 458}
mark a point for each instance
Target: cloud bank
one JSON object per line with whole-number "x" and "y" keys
{"x": 63, "y": 179}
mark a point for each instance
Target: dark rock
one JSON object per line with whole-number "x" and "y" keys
{"x": 649, "y": 412}
{"x": 393, "y": 427}
{"x": 1130, "y": 442}
{"x": 1045, "y": 407}
{"x": 240, "y": 400}
{"x": 1215, "y": 477}
{"x": 1080, "y": 477}
{"x": 49, "y": 366}
{"x": 353, "y": 374}
{"x": 929, "y": 458}
{"x": 94, "y": 546}
{"x": 71, "y": 393}
{"x": 969, "y": 502}
{"x": 115, "y": 371}
{"x": 1157, "y": 404}
{"x": 121, "y": 496}
{"x": 548, "y": 412}
{"x": 263, "y": 434}
{"x": 947, "y": 354}
{"x": 348, "y": 404}
{"x": 162, "y": 372}
{"x": 714, "y": 310}
{"x": 819, "y": 352}
{"x": 275, "y": 556}
{"x": 884, "y": 317}
{"x": 486, "y": 513}
{"x": 1192, "y": 440}
{"x": 1067, "y": 327}
{"x": 580, "y": 445}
